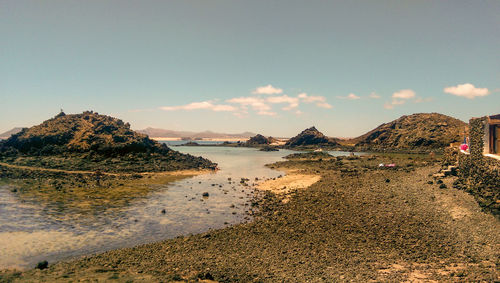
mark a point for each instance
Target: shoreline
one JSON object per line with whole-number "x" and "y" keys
{"x": 185, "y": 172}
{"x": 357, "y": 223}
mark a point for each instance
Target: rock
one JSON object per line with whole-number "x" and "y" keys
{"x": 257, "y": 140}
{"x": 268, "y": 148}
{"x": 42, "y": 265}
{"x": 205, "y": 194}
{"x": 311, "y": 136}
{"x": 191, "y": 143}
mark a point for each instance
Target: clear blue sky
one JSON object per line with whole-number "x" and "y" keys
{"x": 197, "y": 65}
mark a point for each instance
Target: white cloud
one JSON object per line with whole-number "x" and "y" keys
{"x": 293, "y": 102}
{"x": 258, "y": 104}
{"x": 399, "y": 98}
{"x": 206, "y": 105}
{"x": 404, "y": 94}
{"x": 374, "y": 95}
{"x": 350, "y": 96}
{"x": 467, "y": 90}
{"x": 268, "y": 89}
{"x": 324, "y": 105}
{"x": 320, "y": 101}
{"x": 310, "y": 99}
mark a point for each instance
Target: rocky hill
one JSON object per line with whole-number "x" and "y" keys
{"x": 89, "y": 141}
{"x": 413, "y": 132}
{"x": 260, "y": 140}
{"x": 311, "y": 137}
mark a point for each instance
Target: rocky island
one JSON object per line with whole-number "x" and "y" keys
{"x": 311, "y": 137}
{"x": 89, "y": 142}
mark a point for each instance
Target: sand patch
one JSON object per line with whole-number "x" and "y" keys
{"x": 284, "y": 185}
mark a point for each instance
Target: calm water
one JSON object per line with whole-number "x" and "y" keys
{"x": 31, "y": 231}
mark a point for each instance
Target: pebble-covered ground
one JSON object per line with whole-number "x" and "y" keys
{"x": 360, "y": 222}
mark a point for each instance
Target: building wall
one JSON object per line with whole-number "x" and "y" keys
{"x": 486, "y": 139}
{"x": 477, "y": 174}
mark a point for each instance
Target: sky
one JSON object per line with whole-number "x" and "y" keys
{"x": 271, "y": 67}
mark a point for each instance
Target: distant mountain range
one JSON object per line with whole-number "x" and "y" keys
{"x": 162, "y": 133}
{"x": 9, "y": 133}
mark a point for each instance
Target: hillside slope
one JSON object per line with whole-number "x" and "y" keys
{"x": 417, "y": 131}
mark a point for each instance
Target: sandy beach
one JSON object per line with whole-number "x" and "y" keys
{"x": 292, "y": 181}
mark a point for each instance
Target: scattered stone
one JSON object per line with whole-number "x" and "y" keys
{"x": 42, "y": 265}
{"x": 205, "y": 276}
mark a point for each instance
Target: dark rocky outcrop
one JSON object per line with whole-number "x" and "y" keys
{"x": 191, "y": 143}
{"x": 311, "y": 137}
{"x": 88, "y": 141}
{"x": 413, "y": 132}
{"x": 259, "y": 140}
{"x": 268, "y": 148}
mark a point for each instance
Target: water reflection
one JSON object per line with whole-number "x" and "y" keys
{"x": 47, "y": 227}
{"x": 36, "y": 227}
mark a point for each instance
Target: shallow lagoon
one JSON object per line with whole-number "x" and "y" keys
{"x": 31, "y": 231}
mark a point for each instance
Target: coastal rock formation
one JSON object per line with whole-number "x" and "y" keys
{"x": 260, "y": 140}
{"x": 269, "y": 148}
{"x": 311, "y": 136}
{"x": 417, "y": 131}
{"x": 89, "y": 141}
